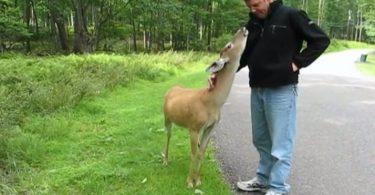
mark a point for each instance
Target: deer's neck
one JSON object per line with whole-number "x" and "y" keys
{"x": 225, "y": 77}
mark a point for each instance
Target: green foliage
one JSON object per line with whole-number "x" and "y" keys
{"x": 221, "y": 41}
{"x": 369, "y": 66}
{"x": 12, "y": 29}
{"x": 339, "y": 45}
{"x": 370, "y": 21}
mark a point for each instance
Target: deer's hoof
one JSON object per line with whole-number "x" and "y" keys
{"x": 198, "y": 182}
{"x": 165, "y": 159}
{"x": 193, "y": 182}
{"x": 190, "y": 182}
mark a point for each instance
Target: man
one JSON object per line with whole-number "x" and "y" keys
{"x": 274, "y": 57}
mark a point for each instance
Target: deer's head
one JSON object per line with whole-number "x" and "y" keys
{"x": 231, "y": 52}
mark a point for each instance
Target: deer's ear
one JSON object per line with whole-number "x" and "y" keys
{"x": 217, "y": 65}
{"x": 229, "y": 45}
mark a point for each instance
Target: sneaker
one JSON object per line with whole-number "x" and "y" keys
{"x": 251, "y": 185}
{"x": 271, "y": 192}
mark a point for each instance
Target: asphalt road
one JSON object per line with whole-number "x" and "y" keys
{"x": 335, "y": 143}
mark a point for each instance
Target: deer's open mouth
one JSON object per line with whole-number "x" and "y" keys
{"x": 214, "y": 69}
{"x": 213, "y": 78}
{"x": 216, "y": 66}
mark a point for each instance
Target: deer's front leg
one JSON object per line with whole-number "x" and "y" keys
{"x": 193, "y": 171}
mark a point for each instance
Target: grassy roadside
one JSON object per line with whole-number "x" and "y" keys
{"x": 109, "y": 143}
{"x": 30, "y": 85}
{"x": 340, "y": 45}
{"x": 369, "y": 66}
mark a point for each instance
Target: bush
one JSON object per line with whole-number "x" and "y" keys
{"x": 43, "y": 85}
{"x": 339, "y": 45}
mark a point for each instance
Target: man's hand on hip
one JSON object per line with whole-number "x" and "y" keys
{"x": 294, "y": 66}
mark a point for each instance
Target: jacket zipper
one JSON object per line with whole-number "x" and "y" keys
{"x": 274, "y": 26}
{"x": 261, "y": 27}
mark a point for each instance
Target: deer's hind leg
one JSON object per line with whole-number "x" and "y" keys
{"x": 203, "y": 142}
{"x": 168, "y": 129}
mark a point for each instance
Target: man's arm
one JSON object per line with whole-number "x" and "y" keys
{"x": 245, "y": 55}
{"x": 246, "y": 52}
{"x": 251, "y": 39}
{"x": 317, "y": 40}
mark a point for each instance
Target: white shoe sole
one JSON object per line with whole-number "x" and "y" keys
{"x": 245, "y": 188}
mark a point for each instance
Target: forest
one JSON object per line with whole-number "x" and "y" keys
{"x": 45, "y": 27}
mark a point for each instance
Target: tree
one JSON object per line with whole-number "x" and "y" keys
{"x": 12, "y": 29}
{"x": 369, "y": 19}
{"x": 57, "y": 18}
{"x": 157, "y": 25}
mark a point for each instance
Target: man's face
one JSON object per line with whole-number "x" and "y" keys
{"x": 258, "y": 7}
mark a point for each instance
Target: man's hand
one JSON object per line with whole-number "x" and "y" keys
{"x": 294, "y": 66}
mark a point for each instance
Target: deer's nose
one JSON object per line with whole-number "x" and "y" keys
{"x": 245, "y": 31}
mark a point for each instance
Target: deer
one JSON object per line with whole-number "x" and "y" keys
{"x": 198, "y": 110}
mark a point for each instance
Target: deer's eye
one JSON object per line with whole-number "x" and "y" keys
{"x": 229, "y": 46}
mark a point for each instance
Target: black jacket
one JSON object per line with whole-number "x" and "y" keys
{"x": 276, "y": 41}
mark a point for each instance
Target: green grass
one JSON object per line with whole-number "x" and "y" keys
{"x": 340, "y": 45}
{"x": 107, "y": 143}
{"x": 43, "y": 85}
{"x": 369, "y": 66}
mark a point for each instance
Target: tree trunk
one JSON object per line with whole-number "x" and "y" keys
{"x": 134, "y": 30}
{"x": 360, "y": 26}
{"x": 171, "y": 40}
{"x": 348, "y": 24}
{"x": 145, "y": 38}
{"x": 2, "y": 47}
{"x": 97, "y": 27}
{"x": 35, "y": 18}
{"x": 80, "y": 30}
{"x": 58, "y": 22}
{"x": 209, "y": 33}
{"x": 320, "y": 12}
{"x": 356, "y": 27}
{"x": 27, "y": 19}
{"x": 71, "y": 19}
{"x": 305, "y": 5}
{"x": 200, "y": 29}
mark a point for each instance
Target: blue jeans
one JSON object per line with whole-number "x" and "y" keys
{"x": 273, "y": 116}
